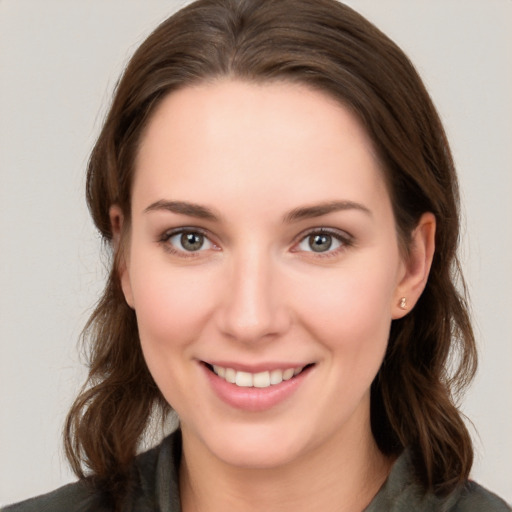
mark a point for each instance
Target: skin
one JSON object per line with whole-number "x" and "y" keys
{"x": 256, "y": 293}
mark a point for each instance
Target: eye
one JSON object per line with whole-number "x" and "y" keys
{"x": 323, "y": 241}
{"x": 187, "y": 241}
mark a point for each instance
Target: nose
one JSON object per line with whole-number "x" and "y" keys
{"x": 254, "y": 309}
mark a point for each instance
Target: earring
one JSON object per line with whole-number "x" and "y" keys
{"x": 403, "y": 303}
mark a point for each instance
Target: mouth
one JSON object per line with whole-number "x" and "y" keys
{"x": 263, "y": 379}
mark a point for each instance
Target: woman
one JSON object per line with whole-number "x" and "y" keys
{"x": 283, "y": 209}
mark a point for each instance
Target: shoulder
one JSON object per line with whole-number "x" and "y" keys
{"x": 154, "y": 482}
{"x": 75, "y": 497}
{"x": 474, "y": 497}
{"x": 402, "y": 493}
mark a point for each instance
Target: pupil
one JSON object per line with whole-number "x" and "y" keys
{"x": 192, "y": 241}
{"x": 320, "y": 243}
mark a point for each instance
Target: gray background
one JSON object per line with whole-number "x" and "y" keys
{"x": 59, "y": 61}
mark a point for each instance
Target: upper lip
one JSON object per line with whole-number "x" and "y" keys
{"x": 257, "y": 368}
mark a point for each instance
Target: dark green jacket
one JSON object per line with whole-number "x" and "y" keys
{"x": 156, "y": 490}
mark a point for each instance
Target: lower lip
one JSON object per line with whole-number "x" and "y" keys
{"x": 254, "y": 399}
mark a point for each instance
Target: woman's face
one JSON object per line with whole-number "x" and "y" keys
{"x": 262, "y": 244}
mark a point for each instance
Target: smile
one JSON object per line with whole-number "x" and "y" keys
{"x": 263, "y": 379}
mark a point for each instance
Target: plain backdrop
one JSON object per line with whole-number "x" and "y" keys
{"x": 59, "y": 61}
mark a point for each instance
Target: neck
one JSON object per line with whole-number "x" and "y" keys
{"x": 340, "y": 477}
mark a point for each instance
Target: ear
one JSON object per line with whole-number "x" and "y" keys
{"x": 120, "y": 252}
{"x": 417, "y": 265}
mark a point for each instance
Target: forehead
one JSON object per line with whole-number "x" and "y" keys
{"x": 237, "y": 138}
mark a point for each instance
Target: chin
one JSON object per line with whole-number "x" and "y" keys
{"x": 255, "y": 446}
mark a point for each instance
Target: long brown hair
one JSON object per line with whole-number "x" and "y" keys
{"x": 325, "y": 45}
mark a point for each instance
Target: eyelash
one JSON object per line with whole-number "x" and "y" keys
{"x": 342, "y": 237}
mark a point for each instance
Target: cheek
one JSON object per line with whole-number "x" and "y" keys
{"x": 171, "y": 305}
{"x": 172, "y": 308}
{"x": 350, "y": 309}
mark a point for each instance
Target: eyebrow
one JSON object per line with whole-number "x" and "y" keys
{"x": 300, "y": 213}
{"x": 182, "y": 208}
{"x": 317, "y": 210}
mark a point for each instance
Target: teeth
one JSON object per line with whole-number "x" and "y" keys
{"x": 243, "y": 379}
{"x": 288, "y": 374}
{"x": 256, "y": 380}
{"x": 276, "y": 376}
{"x": 230, "y": 375}
{"x": 261, "y": 380}
{"x": 221, "y": 372}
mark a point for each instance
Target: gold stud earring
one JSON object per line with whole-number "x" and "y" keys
{"x": 403, "y": 303}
